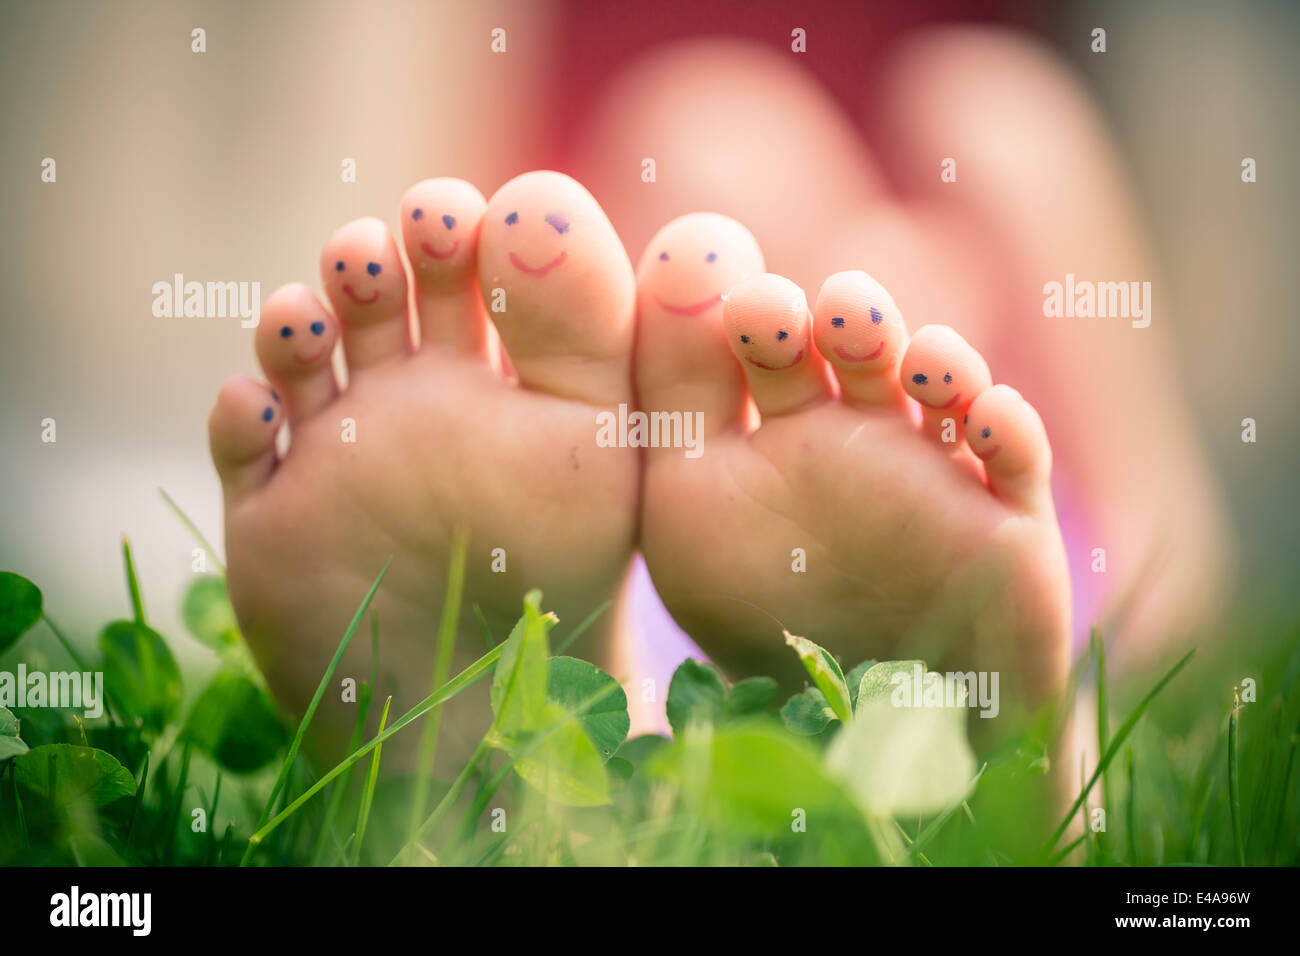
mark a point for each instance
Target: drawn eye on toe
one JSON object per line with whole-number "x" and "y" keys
{"x": 782, "y": 335}
{"x": 947, "y": 378}
{"x": 374, "y": 268}
{"x": 985, "y": 432}
{"x": 317, "y": 328}
{"x": 417, "y": 214}
{"x": 744, "y": 339}
{"x": 338, "y": 266}
{"x": 711, "y": 257}
{"x": 838, "y": 321}
{"x": 512, "y": 219}
{"x": 919, "y": 379}
{"x": 449, "y": 222}
{"x": 268, "y": 413}
{"x": 285, "y": 331}
{"x": 663, "y": 257}
{"x": 876, "y": 316}
{"x": 558, "y": 222}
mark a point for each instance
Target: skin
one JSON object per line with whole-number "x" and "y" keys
{"x": 306, "y": 535}
{"x": 860, "y": 331}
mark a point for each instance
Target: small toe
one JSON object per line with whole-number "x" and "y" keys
{"x": 683, "y": 361}
{"x": 365, "y": 280}
{"x": 559, "y": 288}
{"x": 440, "y": 226}
{"x": 241, "y": 434}
{"x": 769, "y": 329}
{"x": 860, "y": 331}
{"x": 1007, "y": 434}
{"x": 294, "y": 342}
{"x": 944, "y": 373}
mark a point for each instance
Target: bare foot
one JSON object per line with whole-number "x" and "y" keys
{"x": 428, "y": 438}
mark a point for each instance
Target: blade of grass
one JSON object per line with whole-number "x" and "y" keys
{"x": 1131, "y": 817}
{"x": 465, "y": 678}
{"x": 1125, "y": 729}
{"x": 132, "y": 583}
{"x": 934, "y": 826}
{"x": 211, "y": 821}
{"x": 1103, "y": 716}
{"x": 483, "y": 626}
{"x": 1281, "y": 799}
{"x": 581, "y": 629}
{"x": 193, "y": 530}
{"x": 1198, "y": 815}
{"x": 315, "y": 702}
{"x": 368, "y": 794}
{"x": 139, "y": 798}
{"x": 340, "y": 788}
{"x": 175, "y": 813}
{"x": 446, "y": 803}
{"x": 446, "y": 647}
{"x": 1234, "y": 781}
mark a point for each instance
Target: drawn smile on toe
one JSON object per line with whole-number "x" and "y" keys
{"x": 986, "y": 455}
{"x": 948, "y": 404}
{"x": 699, "y": 308}
{"x": 776, "y": 368}
{"x": 428, "y": 249}
{"x": 347, "y": 290}
{"x": 537, "y": 270}
{"x": 312, "y": 359}
{"x": 848, "y": 356}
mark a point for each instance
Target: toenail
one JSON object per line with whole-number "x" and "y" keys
{"x": 417, "y": 215}
{"x": 838, "y": 321}
{"x": 918, "y": 379}
{"x": 986, "y": 432}
{"x": 557, "y": 222}
{"x": 947, "y": 378}
{"x": 710, "y": 257}
{"x": 338, "y": 266}
{"x": 285, "y": 331}
{"x": 374, "y": 268}
{"x": 782, "y": 335}
{"x": 745, "y": 339}
{"x": 512, "y": 219}
{"x": 268, "y": 413}
{"x": 876, "y": 317}
{"x": 663, "y": 257}
{"x": 449, "y": 222}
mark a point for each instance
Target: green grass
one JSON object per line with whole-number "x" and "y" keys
{"x": 1197, "y": 770}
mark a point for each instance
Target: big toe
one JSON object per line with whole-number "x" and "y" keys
{"x": 683, "y": 362}
{"x": 559, "y": 288}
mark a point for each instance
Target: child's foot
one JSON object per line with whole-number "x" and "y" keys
{"x": 428, "y": 438}
{"x": 841, "y": 516}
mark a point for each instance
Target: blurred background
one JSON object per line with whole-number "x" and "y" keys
{"x": 225, "y": 165}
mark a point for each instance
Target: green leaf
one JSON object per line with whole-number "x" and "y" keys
{"x": 208, "y": 615}
{"x": 236, "y": 724}
{"x": 607, "y": 722}
{"x": 565, "y": 765}
{"x": 877, "y": 682}
{"x": 826, "y": 674}
{"x": 903, "y": 760}
{"x": 11, "y": 745}
{"x": 696, "y": 692}
{"x": 62, "y": 775}
{"x": 519, "y": 685}
{"x": 21, "y": 606}
{"x": 140, "y": 673}
{"x": 854, "y": 679}
{"x": 752, "y": 696}
{"x": 807, "y": 714}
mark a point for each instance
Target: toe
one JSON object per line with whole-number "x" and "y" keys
{"x": 365, "y": 280}
{"x": 769, "y": 330}
{"x": 1005, "y": 432}
{"x": 295, "y": 341}
{"x": 860, "y": 332}
{"x": 440, "y": 224}
{"x": 559, "y": 288}
{"x": 683, "y": 361}
{"x": 944, "y": 373}
{"x": 241, "y": 434}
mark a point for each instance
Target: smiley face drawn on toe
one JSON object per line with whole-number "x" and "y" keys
{"x": 941, "y": 370}
{"x": 296, "y": 335}
{"x": 855, "y": 323}
{"x": 440, "y": 221}
{"x": 362, "y": 272}
{"x": 560, "y": 224}
{"x": 940, "y": 398}
{"x": 693, "y": 262}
